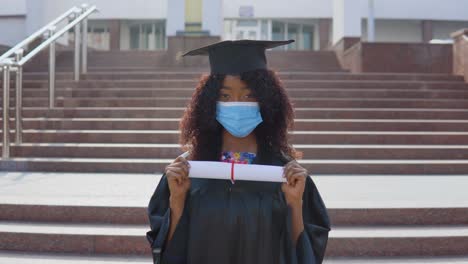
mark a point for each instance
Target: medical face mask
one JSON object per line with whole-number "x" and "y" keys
{"x": 238, "y": 118}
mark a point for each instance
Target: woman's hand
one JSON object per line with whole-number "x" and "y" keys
{"x": 179, "y": 183}
{"x": 178, "y": 180}
{"x": 294, "y": 187}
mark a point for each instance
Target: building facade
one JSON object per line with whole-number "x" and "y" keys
{"x": 314, "y": 24}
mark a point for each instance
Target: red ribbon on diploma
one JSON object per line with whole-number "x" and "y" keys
{"x": 232, "y": 172}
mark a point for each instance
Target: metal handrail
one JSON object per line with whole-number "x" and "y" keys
{"x": 55, "y": 36}
{"x": 38, "y": 33}
{"x": 7, "y": 64}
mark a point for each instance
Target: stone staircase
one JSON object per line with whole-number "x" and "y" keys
{"x": 120, "y": 123}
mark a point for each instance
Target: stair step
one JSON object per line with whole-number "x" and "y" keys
{"x": 184, "y": 83}
{"x": 139, "y": 230}
{"x": 283, "y": 75}
{"x": 319, "y": 166}
{"x": 297, "y": 102}
{"x": 398, "y": 260}
{"x": 75, "y": 243}
{"x": 72, "y": 229}
{"x": 168, "y": 151}
{"x": 297, "y": 137}
{"x": 300, "y": 112}
{"x": 41, "y": 258}
{"x": 398, "y": 231}
{"x": 122, "y": 215}
{"x": 300, "y": 124}
{"x": 10, "y": 257}
{"x": 96, "y": 239}
{"x": 98, "y": 75}
{"x": 113, "y": 72}
{"x": 292, "y": 92}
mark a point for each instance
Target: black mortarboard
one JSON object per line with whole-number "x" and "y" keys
{"x": 236, "y": 56}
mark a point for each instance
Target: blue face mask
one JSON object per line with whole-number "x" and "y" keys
{"x": 238, "y": 118}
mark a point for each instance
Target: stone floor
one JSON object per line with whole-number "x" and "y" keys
{"x": 20, "y": 258}
{"x": 343, "y": 191}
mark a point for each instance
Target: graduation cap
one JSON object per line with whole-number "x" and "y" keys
{"x": 236, "y": 56}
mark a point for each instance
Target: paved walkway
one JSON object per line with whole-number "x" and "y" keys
{"x": 350, "y": 191}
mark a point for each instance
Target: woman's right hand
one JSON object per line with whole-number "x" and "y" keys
{"x": 177, "y": 176}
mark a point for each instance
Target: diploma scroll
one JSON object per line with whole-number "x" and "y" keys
{"x": 235, "y": 171}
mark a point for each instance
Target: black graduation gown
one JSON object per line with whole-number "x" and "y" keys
{"x": 245, "y": 223}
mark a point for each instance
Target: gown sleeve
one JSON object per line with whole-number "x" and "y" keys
{"x": 159, "y": 214}
{"x": 312, "y": 242}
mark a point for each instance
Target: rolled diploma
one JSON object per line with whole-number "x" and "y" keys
{"x": 246, "y": 172}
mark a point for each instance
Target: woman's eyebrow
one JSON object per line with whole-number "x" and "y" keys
{"x": 229, "y": 88}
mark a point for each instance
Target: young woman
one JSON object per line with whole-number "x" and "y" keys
{"x": 239, "y": 113}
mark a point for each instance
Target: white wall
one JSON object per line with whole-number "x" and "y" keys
{"x": 395, "y": 30}
{"x": 175, "y": 17}
{"x": 212, "y": 18}
{"x": 40, "y": 12}
{"x": 397, "y": 20}
{"x": 12, "y": 21}
{"x": 422, "y": 9}
{"x": 411, "y": 30}
{"x": 280, "y": 8}
{"x": 12, "y": 7}
{"x": 346, "y": 19}
{"x": 385, "y": 9}
{"x": 111, "y": 9}
{"x": 12, "y": 30}
{"x": 157, "y": 9}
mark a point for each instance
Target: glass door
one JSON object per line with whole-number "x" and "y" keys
{"x": 147, "y": 36}
{"x": 247, "y": 29}
{"x": 247, "y": 34}
{"x": 135, "y": 37}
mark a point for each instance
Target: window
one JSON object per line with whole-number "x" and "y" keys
{"x": 293, "y": 33}
{"x": 98, "y": 34}
{"x": 278, "y": 31}
{"x": 264, "y": 30}
{"x": 143, "y": 35}
{"x": 302, "y": 31}
{"x": 308, "y": 37}
{"x": 246, "y": 23}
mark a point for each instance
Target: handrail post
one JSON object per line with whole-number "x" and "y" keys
{"x": 52, "y": 69}
{"x": 77, "y": 50}
{"x": 6, "y": 110}
{"x": 84, "y": 43}
{"x": 19, "y": 97}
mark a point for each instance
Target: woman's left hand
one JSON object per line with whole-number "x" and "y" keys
{"x": 294, "y": 187}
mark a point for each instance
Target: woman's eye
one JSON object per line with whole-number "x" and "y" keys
{"x": 225, "y": 95}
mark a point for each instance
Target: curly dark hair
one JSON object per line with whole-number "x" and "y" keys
{"x": 201, "y": 133}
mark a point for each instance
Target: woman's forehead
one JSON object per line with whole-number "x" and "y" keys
{"x": 234, "y": 82}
